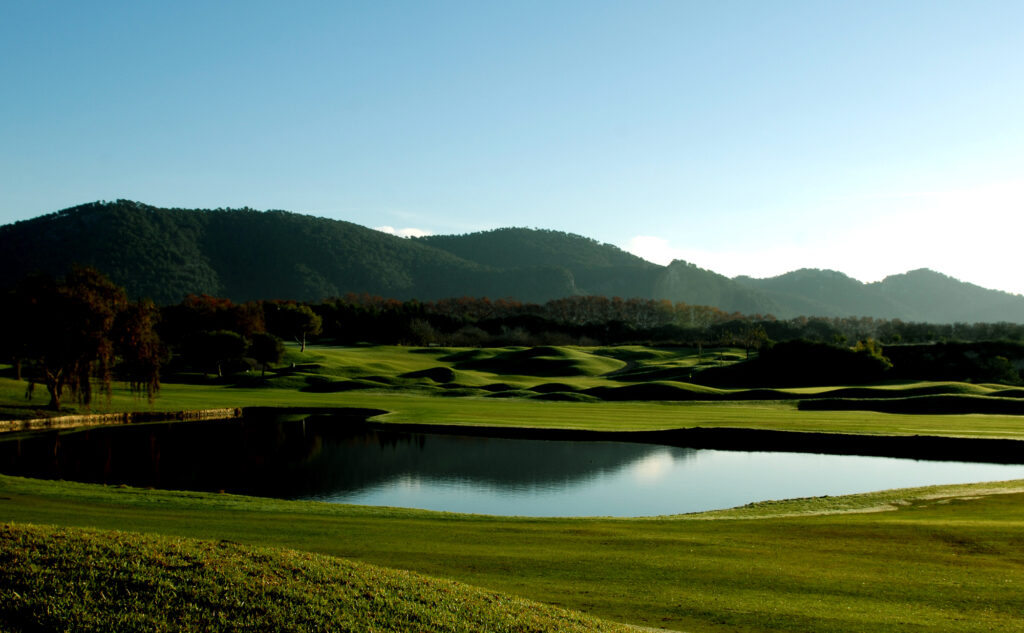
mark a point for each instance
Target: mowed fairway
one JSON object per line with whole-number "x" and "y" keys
{"x": 380, "y": 378}
{"x": 942, "y": 559}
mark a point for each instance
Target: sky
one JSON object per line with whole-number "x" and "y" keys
{"x": 746, "y": 137}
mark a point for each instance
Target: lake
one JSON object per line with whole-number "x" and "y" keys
{"x": 344, "y": 460}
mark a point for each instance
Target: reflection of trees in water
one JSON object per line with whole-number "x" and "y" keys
{"x": 315, "y": 456}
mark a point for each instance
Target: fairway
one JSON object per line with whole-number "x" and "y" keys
{"x": 404, "y": 382}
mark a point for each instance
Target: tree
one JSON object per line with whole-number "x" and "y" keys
{"x": 12, "y": 328}
{"x": 215, "y": 350}
{"x": 752, "y": 335}
{"x": 139, "y": 348}
{"x": 294, "y": 321}
{"x": 67, "y": 331}
{"x": 266, "y": 349}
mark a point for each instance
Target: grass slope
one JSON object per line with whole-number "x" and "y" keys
{"x": 63, "y": 579}
{"x": 935, "y": 559}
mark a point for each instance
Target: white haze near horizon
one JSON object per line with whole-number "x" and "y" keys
{"x": 970, "y": 234}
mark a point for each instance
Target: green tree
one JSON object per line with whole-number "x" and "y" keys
{"x": 296, "y": 321}
{"x": 266, "y": 349}
{"x": 213, "y": 351}
{"x": 752, "y": 335}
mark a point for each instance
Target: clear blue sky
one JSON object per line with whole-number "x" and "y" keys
{"x": 747, "y": 137}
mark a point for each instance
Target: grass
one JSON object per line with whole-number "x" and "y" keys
{"x": 404, "y": 381}
{"x": 936, "y": 559}
{"x": 63, "y": 579}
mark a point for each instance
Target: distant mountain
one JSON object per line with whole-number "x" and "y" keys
{"x": 682, "y": 281}
{"x": 924, "y": 293}
{"x": 919, "y": 295}
{"x": 244, "y": 254}
{"x": 809, "y": 291}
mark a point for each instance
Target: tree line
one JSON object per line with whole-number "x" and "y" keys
{"x": 598, "y": 320}
{"x": 75, "y": 334}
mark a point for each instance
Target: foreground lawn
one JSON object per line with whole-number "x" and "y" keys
{"x": 933, "y": 559}
{"x": 84, "y": 580}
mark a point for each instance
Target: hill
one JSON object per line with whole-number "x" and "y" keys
{"x": 922, "y": 293}
{"x": 822, "y": 293}
{"x": 919, "y": 295}
{"x": 596, "y": 268}
{"x": 683, "y": 281}
{"x": 243, "y": 254}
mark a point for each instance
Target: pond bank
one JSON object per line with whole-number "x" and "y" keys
{"x": 107, "y": 419}
{"x": 930, "y": 447}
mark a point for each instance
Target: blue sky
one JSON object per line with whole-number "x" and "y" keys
{"x": 746, "y": 137}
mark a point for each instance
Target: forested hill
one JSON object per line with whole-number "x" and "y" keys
{"x": 242, "y": 254}
{"x": 596, "y": 268}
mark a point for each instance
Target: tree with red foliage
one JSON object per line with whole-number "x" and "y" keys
{"x": 68, "y": 331}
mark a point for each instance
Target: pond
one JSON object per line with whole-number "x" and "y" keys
{"x": 344, "y": 460}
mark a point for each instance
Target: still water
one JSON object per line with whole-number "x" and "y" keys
{"x": 343, "y": 460}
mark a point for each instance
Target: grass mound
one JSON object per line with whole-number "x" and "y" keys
{"x": 437, "y": 374}
{"x": 762, "y": 394}
{"x": 551, "y": 387}
{"x": 495, "y": 387}
{"x": 322, "y": 385}
{"x": 655, "y": 372}
{"x": 459, "y": 391}
{"x": 512, "y": 393}
{"x": 564, "y": 396}
{"x": 1008, "y": 393}
{"x": 935, "y": 405}
{"x": 635, "y": 352}
{"x": 908, "y": 391}
{"x": 466, "y": 355}
{"x": 84, "y": 580}
{"x": 665, "y": 391}
{"x": 542, "y": 361}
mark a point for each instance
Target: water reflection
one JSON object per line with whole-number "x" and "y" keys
{"x": 313, "y": 457}
{"x": 344, "y": 460}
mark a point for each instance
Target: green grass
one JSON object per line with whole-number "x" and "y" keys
{"x": 404, "y": 382}
{"x": 65, "y": 579}
{"x": 936, "y": 559}
{"x": 540, "y": 361}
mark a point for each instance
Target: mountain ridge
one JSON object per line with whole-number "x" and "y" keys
{"x": 244, "y": 254}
